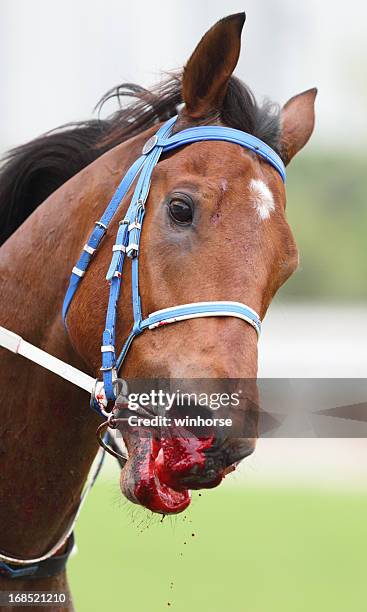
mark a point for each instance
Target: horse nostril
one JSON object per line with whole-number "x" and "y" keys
{"x": 239, "y": 449}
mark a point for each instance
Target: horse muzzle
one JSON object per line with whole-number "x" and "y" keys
{"x": 164, "y": 466}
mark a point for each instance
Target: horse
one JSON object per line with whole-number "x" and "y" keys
{"x": 215, "y": 226}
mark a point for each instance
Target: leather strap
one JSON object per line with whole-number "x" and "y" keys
{"x": 44, "y": 569}
{"x": 216, "y": 132}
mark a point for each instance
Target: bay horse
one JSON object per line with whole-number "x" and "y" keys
{"x": 215, "y": 226}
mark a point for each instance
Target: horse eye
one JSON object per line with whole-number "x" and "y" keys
{"x": 180, "y": 210}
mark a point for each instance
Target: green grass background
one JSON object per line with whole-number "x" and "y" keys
{"x": 256, "y": 549}
{"x": 327, "y": 211}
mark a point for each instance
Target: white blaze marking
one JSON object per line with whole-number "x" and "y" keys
{"x": 262, "y": 198}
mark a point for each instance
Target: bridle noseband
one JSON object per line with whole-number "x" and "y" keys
{"x": 127, "y": 243}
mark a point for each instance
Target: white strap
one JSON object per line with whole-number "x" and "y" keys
{"x": 201, "y": 315}
{"x": 16, "y": 344}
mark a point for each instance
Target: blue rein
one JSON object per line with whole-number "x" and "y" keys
{"x": 127, "y": 243}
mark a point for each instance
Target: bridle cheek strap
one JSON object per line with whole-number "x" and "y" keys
{"x": 127, "y": 243}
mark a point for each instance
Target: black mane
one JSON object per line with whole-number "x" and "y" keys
{"x": 33, "y": 171}
{"x": 240, "y": 110}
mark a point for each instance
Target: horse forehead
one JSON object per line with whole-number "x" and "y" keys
{"x": 206, "y": 158}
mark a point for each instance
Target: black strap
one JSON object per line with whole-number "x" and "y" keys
{"x": 44, "y": 569}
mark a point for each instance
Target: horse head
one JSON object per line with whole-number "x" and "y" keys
{"x": 215, "y": 228}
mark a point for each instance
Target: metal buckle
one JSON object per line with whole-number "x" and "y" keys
{"x": 134, "y": 225}
{"x": 100, "y": 224}
{"x": 150, "y": 144}
{"x": 132, "y": 249}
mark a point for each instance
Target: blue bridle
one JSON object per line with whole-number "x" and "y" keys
{"x": 128, "y": 241}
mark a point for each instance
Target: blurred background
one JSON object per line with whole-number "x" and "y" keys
{"x": 288, "y": 531}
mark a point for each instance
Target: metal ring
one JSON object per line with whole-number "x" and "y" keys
{"x": 100, "y": 433}
{"x": 111, "y": 420}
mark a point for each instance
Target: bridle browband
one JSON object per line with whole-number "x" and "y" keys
{"x": 127, "y": 243}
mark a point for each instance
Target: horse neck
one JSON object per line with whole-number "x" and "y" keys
{"x": 47, "y": 432}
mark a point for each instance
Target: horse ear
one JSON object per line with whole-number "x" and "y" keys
{"x": 297, "y": 123}
{"x": 208, "y": 70}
